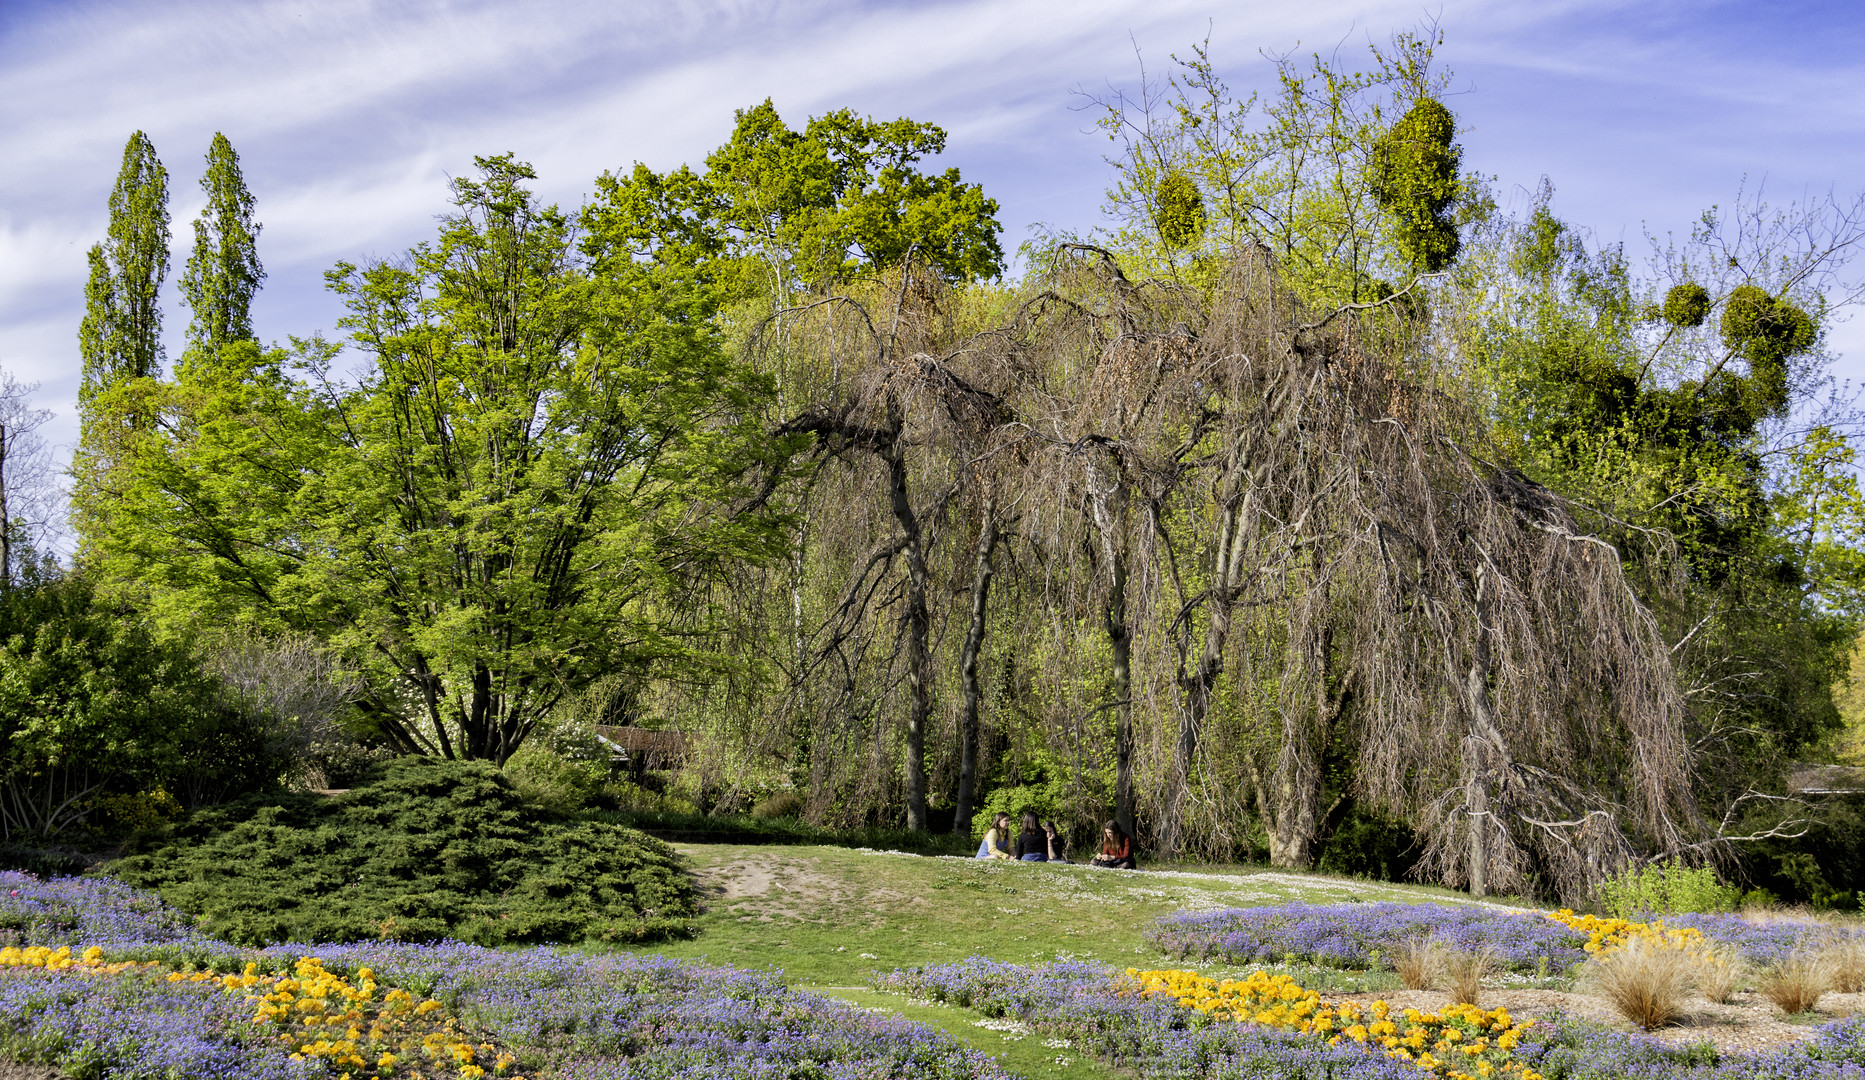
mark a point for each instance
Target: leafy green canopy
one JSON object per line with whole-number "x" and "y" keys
{"x": 428, "y": 850}
{"x": 778, "y": 211}
{"x": 541, "y": 471}
{"x": 1663, "y": 400}
{"x": 1180, "y": 210}
{"x": 91, "y": 703}
{"x": 1348, "y": 177}
{"x": 1414, "y": 178}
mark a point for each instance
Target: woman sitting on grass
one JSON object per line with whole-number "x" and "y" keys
{"x": 1116, "y": 849}
{"x": 1037, "y": 843}
{"x": 996, "y": 839}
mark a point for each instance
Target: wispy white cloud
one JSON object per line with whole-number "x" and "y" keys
{"x": 349, "y": 115}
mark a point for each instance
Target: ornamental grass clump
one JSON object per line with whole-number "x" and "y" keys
{"x": 1464, "y": 971}
{"x": 1796, "y": 984}
{"x": 1418, "y": 962}
{"x": 1720, "y": 968}
{"x": 1645, "y": 979}
{"x": 426, "y": 850}
{"x": 1846, "y": 960}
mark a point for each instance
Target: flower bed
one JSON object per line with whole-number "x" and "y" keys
{"x": 501, "y": 1013}
{"x": 1604, "y": 933}
{"x": 1162, "y": 1040}
{"x": 1157, "y": 1037}
{"x": 92, "y": 910}
{"x": 134, "y": 1023}
{"x": 1762, "y": 943}
{"x": 1364, "y": 935}
{"x": 1461, "y": 1042}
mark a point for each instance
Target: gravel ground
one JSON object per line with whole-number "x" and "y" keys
{"x": 1747, "y": 1023}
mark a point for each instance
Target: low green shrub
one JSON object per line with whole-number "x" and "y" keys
{"x": 1665, "y": 888}
{"x": 784, "y": 804}
{"x": 427, "y": 849}
{"x": 1369, "y": 844}
{"x": 696, "y": 828}
{"x": 552, "y": 781}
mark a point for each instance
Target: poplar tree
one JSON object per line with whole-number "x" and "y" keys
{"x": 121, "y": 335}
{"x": 224, "y": 272}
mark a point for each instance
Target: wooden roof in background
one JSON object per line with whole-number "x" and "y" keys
{"x": 1825, "y": 780}
{"x": 655, "y": 746}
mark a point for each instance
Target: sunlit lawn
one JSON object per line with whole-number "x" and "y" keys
{"x": 829, "y": 917}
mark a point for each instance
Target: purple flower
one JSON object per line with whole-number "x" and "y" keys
{"x": 1161, "y": 1040}
{"x": 1347, "y": 935}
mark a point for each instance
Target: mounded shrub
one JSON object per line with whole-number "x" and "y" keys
{"x": 427, "y": 849}
{"x": 1665, "y": 888}
{"x": 784, "y": 804}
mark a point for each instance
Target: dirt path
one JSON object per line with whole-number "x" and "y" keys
{"x": 763, "y": 886}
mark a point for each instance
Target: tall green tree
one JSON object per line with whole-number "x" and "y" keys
{"x": 120, "y": 337}
{"x": 121, "y": 334}
{"x": 546, "y": 464}
{"x": 223, "y": 273}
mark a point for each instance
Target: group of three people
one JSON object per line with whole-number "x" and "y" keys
{"x": 1037, "y": 843}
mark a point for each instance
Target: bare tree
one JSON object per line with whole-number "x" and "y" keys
{"x": 29, "y": 493}
{"x": 291, "y": 689}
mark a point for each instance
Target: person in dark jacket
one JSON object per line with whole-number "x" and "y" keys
{"x": 1037, "y": 842}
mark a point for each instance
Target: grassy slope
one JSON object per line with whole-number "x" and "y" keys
{"x": 830, "y": 917}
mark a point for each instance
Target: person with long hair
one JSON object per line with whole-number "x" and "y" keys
{"x": 1116, "y": 849}
{"x": 1037, "y": 842}
{"x": 997, "y": 839}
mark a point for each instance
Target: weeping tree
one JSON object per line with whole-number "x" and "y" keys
{"x": 1332, "y": 556}
{"x": 930, "y": 434}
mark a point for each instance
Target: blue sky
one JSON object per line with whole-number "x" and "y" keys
{"x": 350, "y": 116}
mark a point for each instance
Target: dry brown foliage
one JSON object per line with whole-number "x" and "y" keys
{"x": 1645, "y": 980}
{"x": 1418, "y": 963}
{"x": 1464, "y": 972}
{"x": 1243, "y": 533}
{"x": 1845, "y": 959}
{"x": 1719, "y": 970}
{"x": 1795, "y": 985}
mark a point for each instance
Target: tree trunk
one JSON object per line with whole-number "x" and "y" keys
{"x": 1120, "y": 639}
{"x": 1198, "y": 684}
{"x": 919, "y": 659}
{"x": 968, "y": 670}
{"x": 1482, "y": 724}
{"x": 1110, "y": 521}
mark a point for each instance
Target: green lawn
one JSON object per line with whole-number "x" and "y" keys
{"x": 829, "y": 917}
